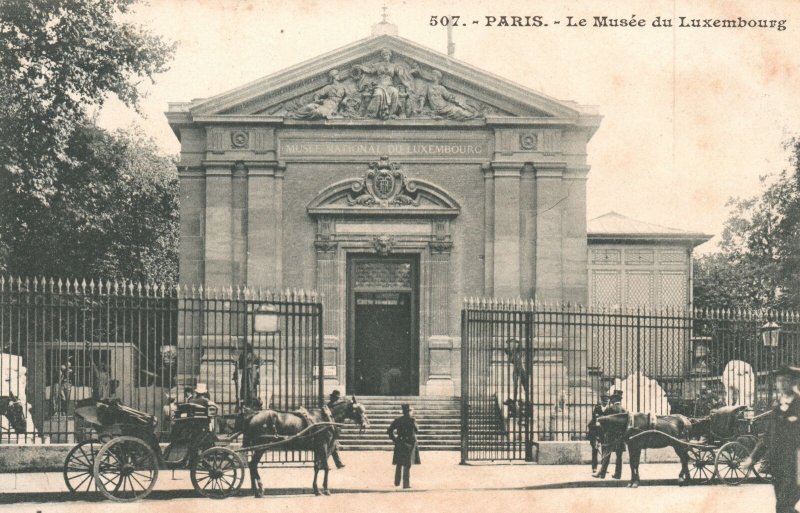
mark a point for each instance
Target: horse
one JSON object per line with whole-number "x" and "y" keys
{"x": 646, "y": 431}
{"x": 12, "y": 408}
{"x": 269, "y": 426}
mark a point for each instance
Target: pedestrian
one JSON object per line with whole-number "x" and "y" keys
{"x": 403, "y": 432}
{"x": 334, "y": 398}
{"x": 783, "y": 440}
{"x": 594, "y": 431}
{"x": 618, "y": 446}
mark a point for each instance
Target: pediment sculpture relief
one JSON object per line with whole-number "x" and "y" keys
{"x": 383, "y": 185}
{"x": 388, "y": 88}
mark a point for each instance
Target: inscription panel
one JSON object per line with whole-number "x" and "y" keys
{"x": 289, "y": 148}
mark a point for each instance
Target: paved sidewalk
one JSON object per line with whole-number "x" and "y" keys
{"x": 372, "y": 472}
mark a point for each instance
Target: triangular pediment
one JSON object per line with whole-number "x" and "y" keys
{"x": 363, "y": 81}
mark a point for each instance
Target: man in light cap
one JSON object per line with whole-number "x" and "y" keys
{"x": 403, "y": 432}
{"x": 783, "y": 440}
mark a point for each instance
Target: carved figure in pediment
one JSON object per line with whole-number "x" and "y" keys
{"x": 326, "y": 101}
{"x": 445, "y": 104}
{"x": 389, "y": 86}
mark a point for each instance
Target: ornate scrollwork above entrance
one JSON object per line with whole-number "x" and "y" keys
{"x": 384, "y": 185}
{"x": 384, "y": 189}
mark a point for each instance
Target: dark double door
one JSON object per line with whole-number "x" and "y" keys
{"x": 383, "y": 337}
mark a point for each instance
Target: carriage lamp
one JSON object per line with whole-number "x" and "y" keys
{"x": 267, "y": 319}
{"x": 770, "y": 334}
{"x": 701, "y": 352}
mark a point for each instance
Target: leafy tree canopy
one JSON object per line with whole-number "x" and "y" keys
{"x": 758, "y": 263}
{"x": 60, "y": 207}
{"x": 115, "y": 215}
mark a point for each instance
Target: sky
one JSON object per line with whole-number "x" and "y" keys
{"x": 691, "y": 116}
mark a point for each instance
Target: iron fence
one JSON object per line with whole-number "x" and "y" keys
{"x": 533, "y": 372}
{"x": 65, "y": 344}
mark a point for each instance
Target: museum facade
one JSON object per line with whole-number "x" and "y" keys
{"x": 395, "y": 181}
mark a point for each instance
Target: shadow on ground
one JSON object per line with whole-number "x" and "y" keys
{"x": 50, "y": 497}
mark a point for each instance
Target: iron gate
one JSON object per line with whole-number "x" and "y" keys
{"x": 496, "y": 385}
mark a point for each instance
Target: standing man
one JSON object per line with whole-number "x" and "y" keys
{"x": 403, "y": 432}
{"x": 594, "y": 431}
{"x": 783, "y": 440}
{"x": 618, "y": 446}
{"x": 334, "y": 398}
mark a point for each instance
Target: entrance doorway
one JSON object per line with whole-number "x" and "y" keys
{"x": 383, "y": 335}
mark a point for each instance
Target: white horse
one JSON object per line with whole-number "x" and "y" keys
{"x": 740, "y": 383}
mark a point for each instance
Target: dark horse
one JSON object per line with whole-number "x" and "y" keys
{"x": 268, "y": 426}
{"x": 645, "y": 431}
{"x": 12, "y": 408}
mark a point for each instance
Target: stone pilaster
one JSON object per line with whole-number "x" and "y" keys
{"x": 219, "y": 219}
{"x": 262, "y": 239}
{"x": 239, "y": 193}
{"x": 549, "y": 213}
{"x": 488, "y": 228}
{"x": 507, "y": 229}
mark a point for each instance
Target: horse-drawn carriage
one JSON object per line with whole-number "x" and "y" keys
{"x": 122, "y": 457}
{"x": 730, "y": 434}
{"x": 717, "y": 446}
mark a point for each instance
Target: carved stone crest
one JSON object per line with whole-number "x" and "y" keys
{"x": 383, "y": 185}
{"x": 383, "y": 244}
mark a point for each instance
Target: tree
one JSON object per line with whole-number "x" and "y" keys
{"x": 60, "y": 60}
{"x": 114, "y": 215}
{"x": 758, "y": 264}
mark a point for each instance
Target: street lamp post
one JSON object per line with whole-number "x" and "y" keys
{"x": 770, "y": 336}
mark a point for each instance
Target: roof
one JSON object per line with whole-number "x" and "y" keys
{"x": 260, "y": 99}
{"x": 615, "y": 227}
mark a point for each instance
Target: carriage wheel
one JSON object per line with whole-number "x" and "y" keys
{"x": 79, "y": 466}
{"x": 218, "y": 473}
{"x": 126, "y": 469}
{"x": 701, "y": 465}
{"x": 729, "y": 461}
{"x": 762, "y": 471}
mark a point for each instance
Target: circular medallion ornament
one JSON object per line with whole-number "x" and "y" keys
{"x": 527, "y": 141}
{"x": 239, "y": 139}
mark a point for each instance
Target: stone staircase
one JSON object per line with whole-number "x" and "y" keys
{"x": 438, "y": 418}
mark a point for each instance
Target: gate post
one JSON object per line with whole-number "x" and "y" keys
{"x": 529, "y": 388}
{"x": 465, "y": 349}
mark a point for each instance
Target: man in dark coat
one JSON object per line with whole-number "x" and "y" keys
{"x": 403, "y": 432}
{"x": 334, "y": 398}
{"x": 783, "y": 440}
{"x": 619, "y": 445}
{"x": 594, "y": 431}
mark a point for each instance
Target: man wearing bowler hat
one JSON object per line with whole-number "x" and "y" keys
{"x": 403, "y": 432}
{"x": 619, "y": 446}
{"x": 594, "y": 432}
{"x": 783, "y": 440}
